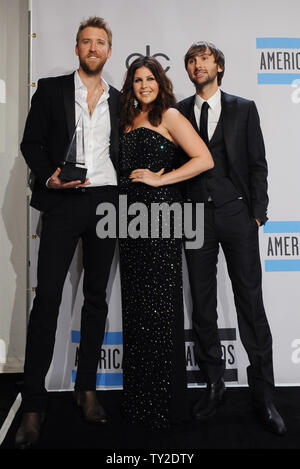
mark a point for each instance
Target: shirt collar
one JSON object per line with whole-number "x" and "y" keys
{"x": 213, "y": 101}
{"x": 80, "y": 85}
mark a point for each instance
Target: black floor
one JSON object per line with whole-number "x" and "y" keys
{"x": 234, "y": 426}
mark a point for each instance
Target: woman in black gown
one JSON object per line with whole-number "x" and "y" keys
{"x": 154, "y": 381}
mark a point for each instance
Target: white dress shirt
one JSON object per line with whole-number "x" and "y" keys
{"x": 214, "y": 111}
{"x": 97, "y": 127}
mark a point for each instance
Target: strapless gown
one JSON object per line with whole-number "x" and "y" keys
{"x": 154, "y": 375}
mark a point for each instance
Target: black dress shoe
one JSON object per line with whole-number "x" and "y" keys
{"x": 214, "y": 396}
{"x": 29, "y": 431}
{"x": 269, "y": 416}
{"x": 92, "y": 410}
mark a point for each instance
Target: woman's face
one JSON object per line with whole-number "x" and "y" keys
{"x": 145, "y": 87}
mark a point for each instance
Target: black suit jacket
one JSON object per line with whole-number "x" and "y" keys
{"x": 49, "y": 127}
{"x": 245, "y": 149}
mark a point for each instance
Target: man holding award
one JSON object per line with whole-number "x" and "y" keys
{"x": 70, "y": 144}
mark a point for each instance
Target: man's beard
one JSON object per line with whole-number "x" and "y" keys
{"x": 201, "y": 85}
{"x": 91, "y": 71}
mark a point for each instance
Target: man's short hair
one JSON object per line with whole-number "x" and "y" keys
{"x": 95, "y": 22}
{"x": 199, "y": 48}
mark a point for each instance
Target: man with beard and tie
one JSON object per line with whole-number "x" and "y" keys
{"x": 68, "y": 215}
{"x": 235, "y": 200}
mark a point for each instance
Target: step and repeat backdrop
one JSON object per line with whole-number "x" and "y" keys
{"x": 261, "y": 43}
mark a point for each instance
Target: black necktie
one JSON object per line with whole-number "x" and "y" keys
{"x": 203, "y": 121}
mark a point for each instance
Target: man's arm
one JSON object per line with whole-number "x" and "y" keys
{"x": 258, "y": 169}
{"x": 34, "y": 142}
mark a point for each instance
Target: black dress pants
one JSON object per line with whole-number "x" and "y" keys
{"x": 232, "y": 227}
{"x": 62, "y": 226}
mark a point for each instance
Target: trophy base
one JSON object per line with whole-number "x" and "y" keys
{"x": 70, "y": 172}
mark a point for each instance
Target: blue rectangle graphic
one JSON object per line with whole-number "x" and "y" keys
{"x": 277, "y": 78}
{"x": 109, "y": 379}
{"x": 282, "y": 227}
{"x": 278, "y": 43}
{"x": 105, "y": 379}
{"x": 282, "y": 265}
{"x": 110, "y": 338}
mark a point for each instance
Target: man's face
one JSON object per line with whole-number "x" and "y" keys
{"x": 203, "y": 70}
{"x": 93, "y": 49}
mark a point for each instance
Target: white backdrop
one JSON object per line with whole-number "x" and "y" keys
{"x": 13, "y": 191}
{"x": 261, "y": 43}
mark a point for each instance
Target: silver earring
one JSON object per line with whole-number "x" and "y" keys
{"x": 135, "y": 103}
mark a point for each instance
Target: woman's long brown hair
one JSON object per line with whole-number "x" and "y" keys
{"x": 164, "y": 100}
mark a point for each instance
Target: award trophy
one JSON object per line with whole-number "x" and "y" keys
{"x": 73, "y": 167}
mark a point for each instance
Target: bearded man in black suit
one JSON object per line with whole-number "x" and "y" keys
{"x": 68, "y": 215}
{"x": 235, "y": 200}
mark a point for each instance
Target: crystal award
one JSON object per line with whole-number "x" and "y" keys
{"x": 73, "y": 166}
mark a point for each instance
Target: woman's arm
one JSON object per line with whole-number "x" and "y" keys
{"x": 187, "y": 138}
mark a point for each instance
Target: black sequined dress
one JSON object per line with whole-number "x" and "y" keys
{"x": 154, "y": 377}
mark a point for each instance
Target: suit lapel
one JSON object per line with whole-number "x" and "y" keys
{"x": 113, "y": 104}
{"x": 191, "y": 113}
{"x": 112, "y": 113}
{"x": 186, "y": 108}
{"x": 230, "y": 124}
{"x": 69, "y": 102}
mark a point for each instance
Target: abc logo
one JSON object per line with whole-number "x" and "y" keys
{"x": 158, "y": 55}
{"x": 296, "y": 353}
